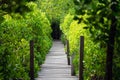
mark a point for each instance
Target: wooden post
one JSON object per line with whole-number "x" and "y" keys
{"x": 72, "y": 66}
{"x": 31, "y": 60}
{"x": 68, "y": 51}
{"x": 81, "y": 58}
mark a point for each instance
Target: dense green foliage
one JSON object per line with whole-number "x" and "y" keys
{"x": 13, "y": 6}
{"x": 94, "y": 57}
{"x": 15, "y": 34}
{"x": 97, "y": 20}
{"x": 56, "y": 9}
{"x": 93, "y": 19}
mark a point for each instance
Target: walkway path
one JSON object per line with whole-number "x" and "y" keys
{"x": 55, "y": 66}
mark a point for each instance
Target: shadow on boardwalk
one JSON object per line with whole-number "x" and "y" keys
{"x": 55, "y": 66}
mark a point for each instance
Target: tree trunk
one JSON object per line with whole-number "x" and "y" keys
{"x": 110, "y": 45}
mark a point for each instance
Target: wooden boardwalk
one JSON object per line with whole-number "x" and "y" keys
{"x": 55, "y": 66}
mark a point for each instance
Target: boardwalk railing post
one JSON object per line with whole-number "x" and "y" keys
{"x": 81, "y": 58}
{"x": 68, "y": 51}
{"x": 72, "y": 66}
{"x": 31, "y": 60}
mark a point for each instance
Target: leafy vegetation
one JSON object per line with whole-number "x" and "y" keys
{"x": 14, "y": 6}
{"x": 94, "y": 20}
{"x": 56, "y": 9}
{"x": 16, "y": 32}
{"x": 97, "y": 20}
{"x": 93, "y": 56}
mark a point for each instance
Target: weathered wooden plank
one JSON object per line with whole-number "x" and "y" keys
{"x": 56, "y": 79}
{"x": 56, "y": 76}
{"x": 55, "y": 66}
{"x": 55, "y": 71}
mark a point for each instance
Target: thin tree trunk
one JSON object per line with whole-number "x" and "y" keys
{"x": 110, "y": 46}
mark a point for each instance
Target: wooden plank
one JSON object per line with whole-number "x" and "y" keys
{"x": 55, "y": 66}
{"x": 56, "y": 79}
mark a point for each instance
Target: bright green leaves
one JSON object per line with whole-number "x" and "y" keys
{"x": 98, "y": 23}
{"x": 66, "y": 23}
{"x": 94, "y": 55}
{"x": 41, "y": 31}
{"x": 32, "y": 6}
{"x": 14, "y": 6}
{"x": 15, "y": 34}
{"x": 15, "y": 46}
{"x": 56, "y": 9}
